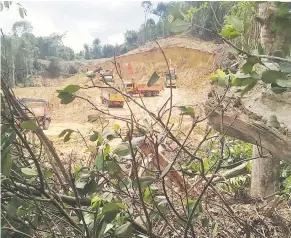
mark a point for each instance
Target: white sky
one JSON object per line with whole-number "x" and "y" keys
{"x": 82, "y": 20}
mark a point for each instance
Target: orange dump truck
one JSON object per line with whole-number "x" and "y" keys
{"x": 143, "y": 89}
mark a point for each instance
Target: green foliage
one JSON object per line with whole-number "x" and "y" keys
{"x": 29, "y": 125}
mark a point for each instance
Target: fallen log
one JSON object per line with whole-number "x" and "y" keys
{"x": 247, "y": 122}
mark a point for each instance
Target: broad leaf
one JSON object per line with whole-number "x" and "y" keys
{"x": 187, "y": 111}
{"x": 29, "y": 125}
{"x": 277, "y": 89}
{"x": 99, "y": 161}
{"x": 122, "y": 149}
{"x": 124, "y": 230}
{"x": 108, "y": 207}
{"x": 229, "y": 33}
{"x": 285, "y": 67}
{"x": 247, "y": 67}
{"x": 153, "y": 79}
{"x": 13, "y": 206}
{"x": 6, "y": 164}
{"x": 29, "y": 171}
{"x": 94, "y": 137}
{"x": 270, "y": 76}
{"x": 284, "y": 82}
{"x": 116, "y": 127}
{"x": 72, "y": 88}
{"x": 66, "y": 97}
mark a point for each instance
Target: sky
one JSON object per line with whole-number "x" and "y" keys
{"x": 82, "y": 20}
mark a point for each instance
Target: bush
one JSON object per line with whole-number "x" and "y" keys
{"x": 54, "y": 69}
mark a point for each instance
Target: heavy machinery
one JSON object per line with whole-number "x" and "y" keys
{"x": 39, "y": 108}
{"x": 147, "y": 91}
{"x": 170, "y": 78}
{"x": 107, "y": 77}
{"x": 112, "y": 98}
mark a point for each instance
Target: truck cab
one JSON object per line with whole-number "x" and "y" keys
{"x": 39, "y": 109}
{"x": 128, "y": 86}
{"x": 107, "y": 77}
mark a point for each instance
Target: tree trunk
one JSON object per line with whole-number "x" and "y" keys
{"x": 265, "y": 174}
{"x": 266, "y": 171}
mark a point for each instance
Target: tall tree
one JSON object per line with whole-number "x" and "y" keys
{"x": 21, "y": 27}
{"x": 147, "y": 5}
{"x": 87, "y": 52}
{"x": 96, "y": 49}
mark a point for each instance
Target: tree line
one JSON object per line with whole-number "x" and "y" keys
{"x": 24, "y": 49}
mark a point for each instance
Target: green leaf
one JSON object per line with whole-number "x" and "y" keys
{"x": 21, "y": 12}
{"x": 285, "y": 67}
{"x": 229, "y": 33}
{"x": 122, "y": 149}
{"x": 13, "y": 206}
{"x": 99, "y": 161}
{"x": 124, "y": 230}
{"x": 67, "y": 137}
{"x": 179, "y": 26}
{"x": 94, "y": 137}
{"x": 108, "y": 207}
{"x": 29, "y": 171}
{"x": 270, "y": 76}
{"x": 95, "y": 201}
{"x": 187, "y": 111}
{"x": 236, "y": 23}
{"x": 153, "y": 79}
{"x": 6, "y": 164}
{"x": 66, "y": 98}
{"x": 247, "y": 67}
{"x": 29, "y": 125}
{"x": 116, "y": 127}
{"x": 71, "y": 88}
{"x": 277, "y": 89}
{"x": 284, "y": 82}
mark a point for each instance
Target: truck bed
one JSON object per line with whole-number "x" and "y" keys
{"x": 144, "y": 87}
